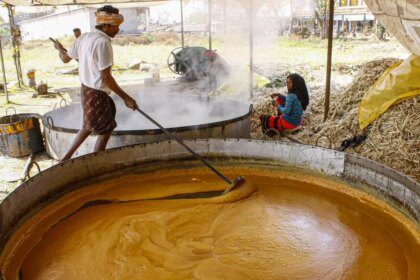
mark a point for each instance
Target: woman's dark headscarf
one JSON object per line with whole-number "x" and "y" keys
{"x": 300, "y": 89}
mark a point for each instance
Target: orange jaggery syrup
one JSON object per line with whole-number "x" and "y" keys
{"x": 284, "y": 225}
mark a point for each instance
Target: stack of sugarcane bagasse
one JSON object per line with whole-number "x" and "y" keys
{"x": 393, "y": 139}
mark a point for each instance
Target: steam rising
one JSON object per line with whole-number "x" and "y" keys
{"x": 231, "y": 27}
{"x": 231, "y": 30}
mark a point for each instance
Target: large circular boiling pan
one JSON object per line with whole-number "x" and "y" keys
{"x": 189, "y": 116}
{"x": 381, "y": 181}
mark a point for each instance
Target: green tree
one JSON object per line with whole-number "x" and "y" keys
{"x": 5, "y": 31}
{"x": 380, "y": 31}
{"x": 321, "y": 15}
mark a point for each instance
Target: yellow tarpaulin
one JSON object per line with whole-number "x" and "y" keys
{"x": 399, "y": 82}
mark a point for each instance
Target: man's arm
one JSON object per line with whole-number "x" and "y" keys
{"x": 110, "y": 82}
{"x": 62, "y": 52}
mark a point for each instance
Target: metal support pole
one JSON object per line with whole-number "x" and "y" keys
{"x": 329, "y": 59}
{"x": 147, "y": 16}
{"x": 209, "y": 22}
{"x": 15, "y": 45}
{"x": 182, "y": 25}
{"x": 224, "y": 17}
{"x": 4, "y": 73}
{"x": 251, "y": 48}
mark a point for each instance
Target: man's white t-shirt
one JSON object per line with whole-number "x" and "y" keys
{"x": 94, "y": 52}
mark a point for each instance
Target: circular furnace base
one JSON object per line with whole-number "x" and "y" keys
{"x": 188, "y": 116}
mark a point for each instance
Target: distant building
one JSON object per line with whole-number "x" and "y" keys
{"x": 352, "y": 15}
{"x": 139, "y": 17}
{"x": 62, "y": 23}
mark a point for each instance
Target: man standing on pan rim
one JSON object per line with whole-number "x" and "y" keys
{"x": 94, "y": 52}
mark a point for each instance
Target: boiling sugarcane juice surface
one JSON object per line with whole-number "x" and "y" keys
{"x": 286, "y": 225}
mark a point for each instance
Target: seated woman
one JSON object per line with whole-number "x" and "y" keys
{"x": 290, "y": 107}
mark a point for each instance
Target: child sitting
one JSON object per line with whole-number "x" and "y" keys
{"x": 290, "y": 107}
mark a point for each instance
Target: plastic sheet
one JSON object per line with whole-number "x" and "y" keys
{"x": 401, "y": 18}
{"x": 400, "y": 82}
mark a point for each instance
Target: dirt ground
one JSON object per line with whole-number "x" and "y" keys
{"x": 12, "y": 168}
{"x": 273, "y": 64}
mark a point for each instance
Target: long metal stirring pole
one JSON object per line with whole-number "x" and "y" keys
{"x": 186, "y": 147}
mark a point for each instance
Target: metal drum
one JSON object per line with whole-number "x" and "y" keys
{"x": 21, "y": 134}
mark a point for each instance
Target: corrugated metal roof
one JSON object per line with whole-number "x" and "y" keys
{"x": 400, "y": 18}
